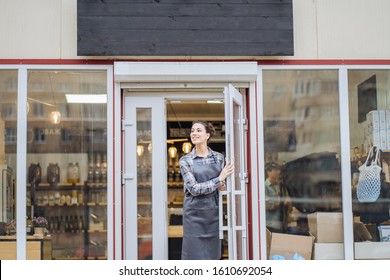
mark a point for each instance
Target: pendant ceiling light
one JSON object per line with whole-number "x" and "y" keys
{"x": 172, "y": 151}
{"x": 140, "y": 150}
{"x": 186, "y": 147}
{"x": 55, "y": 117}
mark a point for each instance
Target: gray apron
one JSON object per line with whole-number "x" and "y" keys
{"x": 201, "y": 219}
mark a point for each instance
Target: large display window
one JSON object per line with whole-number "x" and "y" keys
{"x": 57, "y": 168}
{"x": 67, "y": 160}
{"x": 302, "y": 185}
{"x": 8, "y": 136}
{"x": 369, "y": 119}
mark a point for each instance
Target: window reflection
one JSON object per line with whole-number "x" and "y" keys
{"x": 302, "y": 148}
{"x": 144, "y": 181}
{"x": 369, "y": 115}
{"x": 8, "y": 136}
{"x": 67, "y": 161}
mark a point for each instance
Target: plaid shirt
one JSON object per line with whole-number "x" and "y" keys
{"x": 187, "y": 171}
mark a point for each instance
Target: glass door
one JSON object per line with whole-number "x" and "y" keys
{"x": 234, "y": 220}
{"x": 144, "y": 180}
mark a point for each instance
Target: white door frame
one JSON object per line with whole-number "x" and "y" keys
{"x": 182, "y": 75}
{"x": 156, "y": 105}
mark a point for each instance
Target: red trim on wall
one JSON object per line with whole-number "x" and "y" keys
{"x": 58, "y": 61}
{"x": 325, "y": 62}
{"x": 282, "y": 61}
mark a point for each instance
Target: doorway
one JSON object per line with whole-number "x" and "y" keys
{"x": 156, "y": 126}
{"x": 180, "y": 114}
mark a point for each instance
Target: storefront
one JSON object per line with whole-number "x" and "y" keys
{"x": 95, "y": 119}
{"x": 93, "y": 174}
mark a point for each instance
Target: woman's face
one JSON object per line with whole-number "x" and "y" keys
{"x": 199, "y": 134}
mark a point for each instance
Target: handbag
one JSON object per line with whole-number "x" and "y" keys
{"x": 369, "y": 183}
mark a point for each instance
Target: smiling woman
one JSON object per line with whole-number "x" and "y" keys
{"x": 204, "y": 176}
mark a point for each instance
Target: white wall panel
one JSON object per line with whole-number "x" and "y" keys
{"x": 353, "y": 29}
{"x": 30, "y": 29}
{"x": 323, "y": 29}
{"x": 69, "y": 29}
{"x": 305, "y": 29}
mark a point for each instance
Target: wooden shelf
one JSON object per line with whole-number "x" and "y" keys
{"x": 175, "y": 231}
{"x": 175, "y": 184}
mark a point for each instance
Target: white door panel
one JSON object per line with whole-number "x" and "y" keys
{"x": 145, "y": 233}
{"x": 235, "y": 195}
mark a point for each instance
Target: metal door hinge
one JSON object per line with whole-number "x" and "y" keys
{"x": 126, "y": 123}
{"x": 127, "y": 176}
{"x": 246, "y": 177}
{"x": 245, "y": 124}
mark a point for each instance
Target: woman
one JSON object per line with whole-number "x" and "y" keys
{"x": 204, "y": 174}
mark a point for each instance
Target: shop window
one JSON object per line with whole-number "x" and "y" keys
{"x": 369, "y": 121}
{"x": 8, "y": 161}
{"x": 302, "y": 150}
{"x": 67, "y": 171}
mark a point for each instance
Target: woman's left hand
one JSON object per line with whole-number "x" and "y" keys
{"x": 226, "y": 171}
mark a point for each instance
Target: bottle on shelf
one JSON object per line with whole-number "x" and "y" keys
{"x": 104, "y": 169}
{"x": 29, "y": 226}
{"x": 76, "y": 224}
{"x": 80, "y": 197}
{"x": 66, "y": 224}
{"x": 177, "y": 171}
{"x": 171, "y": 171}
{"x": 81, "y": 223}
{"x": 61, "y": 225}
{"x": 90, "y": 168}
{"x": 97, "y": 170}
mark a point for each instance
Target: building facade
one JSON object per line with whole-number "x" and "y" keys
{"x": 95, "y": 117}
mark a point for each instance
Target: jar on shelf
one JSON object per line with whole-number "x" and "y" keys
{"x": 53, "y": 173}
{"x": 73, "y": 172}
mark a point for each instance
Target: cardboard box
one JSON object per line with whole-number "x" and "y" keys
{"x": 287, "y": 245}
{"x": 384, "y": 233}
{"x": 328, "y": 251}
{"x": 372, "y": 250}
{"x": 326, "y": 227}
{"x": 269, "y": 237}
{"x": 373, "y": 122}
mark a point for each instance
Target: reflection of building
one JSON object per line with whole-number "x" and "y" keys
{"x": 310, "y": 103}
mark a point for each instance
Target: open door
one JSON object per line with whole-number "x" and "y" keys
{"x": 144, "y": 178}
{"x": 233, "y": 219}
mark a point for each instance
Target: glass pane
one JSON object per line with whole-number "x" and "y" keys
{"x": 237, "y": 198}
{"x": 8, "y": 122}
{"x": 67, "y": 161}
{"x": 302, "y": 148}
{"x": 237, "y": 145}
{"x": 369, "y": 115}
{"x": 144, "y": 177}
